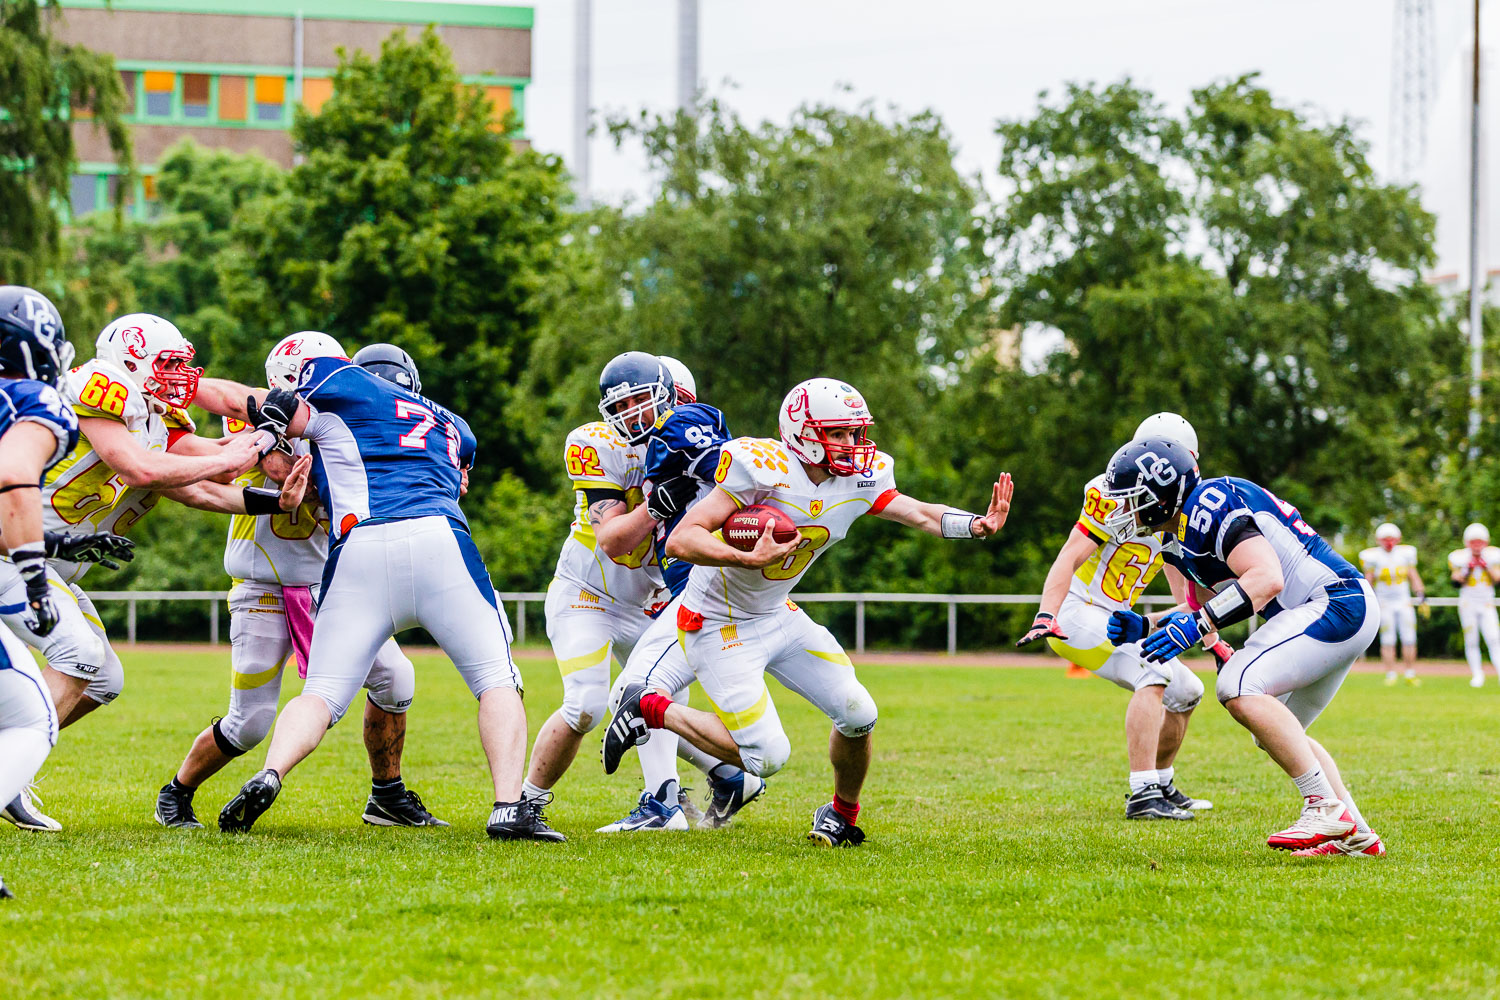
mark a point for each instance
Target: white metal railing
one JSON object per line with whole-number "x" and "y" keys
{"x": 213, "y": 598}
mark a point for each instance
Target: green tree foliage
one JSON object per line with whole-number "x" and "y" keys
{"x": 44, "y": 86}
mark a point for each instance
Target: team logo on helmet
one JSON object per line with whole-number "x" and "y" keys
{"x": 134, "y": 339}
{"x": 1157, "y": 469}
{"x": 291, "y": 347}
{"x": 854, "y": 402}
{"x": 798, "y": 404}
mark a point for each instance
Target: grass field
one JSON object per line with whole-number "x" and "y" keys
{"x": 998, "y": 863}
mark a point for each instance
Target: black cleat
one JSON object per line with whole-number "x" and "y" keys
{"x": 627, "y": 729}
{"x": 1182, "y": 801}
{"x": 254, "y": 798}
{"x": 404, "y": 809}
{"x": 4, "y": 892}
{"x": 832, "y": 830}
{"x": 174, "y": 808}
{"x": 730, "y": 795}
{"x": 1149, "y": 803}
{"x": 522, "y": 821}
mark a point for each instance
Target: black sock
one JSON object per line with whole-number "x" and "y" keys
{"x": 180, "y": 788}
{"x": 387, "y": 789}
{"x": 667, "y": 793}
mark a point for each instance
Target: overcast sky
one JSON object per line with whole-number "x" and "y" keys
{"x": 972, "y": 62}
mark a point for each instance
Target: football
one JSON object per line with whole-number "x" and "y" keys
{"x": 743, "y": 528}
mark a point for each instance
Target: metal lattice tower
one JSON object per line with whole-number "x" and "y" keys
{"x": 1413, "y": 80}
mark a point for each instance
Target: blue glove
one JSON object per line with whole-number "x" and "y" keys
{"x": 1176, "y": 633}
{"x": 1126, "y": 627}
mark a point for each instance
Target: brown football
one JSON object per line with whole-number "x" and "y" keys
{"x": 743, "y": 528}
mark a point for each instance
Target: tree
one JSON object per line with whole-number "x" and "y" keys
{"x": 412, "y": 220}
{"x": 47, "y": 85}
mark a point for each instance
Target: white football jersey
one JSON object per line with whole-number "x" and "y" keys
{"x": 1118, "y": 572}
{"x": 761, "y": 470}
{"x": 287, "y": 549}
{"x": 82, "y": 493}
{"x": 1391, "y": 571}
{"x": 597, "y": 458}
{"x": 1475, "y": 587}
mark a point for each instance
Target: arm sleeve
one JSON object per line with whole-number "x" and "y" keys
{"x": 1241, "y": 526}
{"x": 591, "y": 497}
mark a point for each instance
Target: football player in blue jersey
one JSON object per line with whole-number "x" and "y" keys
{"x": 682, "y": 454}
{"x": 37, "y": 430}
{"x": 390, "y": 465}
{"x": 1234, "y": 537}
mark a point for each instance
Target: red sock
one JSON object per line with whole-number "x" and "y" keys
{"x": 848, "y": 810}
{"x": 654, "y": 709}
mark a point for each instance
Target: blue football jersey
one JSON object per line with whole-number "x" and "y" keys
{"x": 25, "y": 400}
{"x": 381, "y": 451}
{"x": 684, "y": 442}
{"x": 1308, "y": 564}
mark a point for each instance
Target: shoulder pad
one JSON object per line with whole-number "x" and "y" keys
{"x": 177, "y": 417}
{"x": 767, "y": 456}
{"x": 100, "y": 389}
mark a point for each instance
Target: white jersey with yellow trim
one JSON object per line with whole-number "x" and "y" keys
{"x": 1118, "y": 572}
{"x": 287, "y": 549}
{"x": 1391, "y": 571}
{"x": 761, "y": 470}
{"x": 82, "y": 493}
{"x": 1475, "y": 588}
{"x": 598, "y": 458}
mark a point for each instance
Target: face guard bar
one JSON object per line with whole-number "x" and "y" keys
{"x": 853, "y": 459}
{"x": 647, "y": 410}
{"x": 173, "y": 380}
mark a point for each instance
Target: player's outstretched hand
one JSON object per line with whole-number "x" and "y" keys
{"x": 1042, "y": 626}
{"x": 994, "y": 518}
{"x": 1125, "y": 627}
{"x": 295, "y": 487}
{"x": 768, "y": 551}
{"x": 241, "y": 453}
{"x": 100, "y": 547}
{"x": 1221, "y": 651}
{"x": 1176, "y": 633}
{"x": 671, "y": 497}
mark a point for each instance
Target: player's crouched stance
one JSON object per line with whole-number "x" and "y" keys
{"x": 735, "y": 621}
{"x": 389, "y": 466}
{"x": 1320, "y": 615}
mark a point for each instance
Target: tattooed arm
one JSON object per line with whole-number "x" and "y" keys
{"x": 619, "y": 531}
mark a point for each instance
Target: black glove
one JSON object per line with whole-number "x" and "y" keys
{"x": 274, "y": 414}
{"x": 671, "y": 497}
{"x": 32, "y": 564}
{"x": 100, "y": 547}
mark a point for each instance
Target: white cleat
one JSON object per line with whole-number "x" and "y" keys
{"x": 1319, "y": 823}
{"x": 23, "y": 812}
{"x": 1476, "y": 681}
{"x": 649, "y": 814}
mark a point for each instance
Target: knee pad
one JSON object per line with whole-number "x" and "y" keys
{"x": 765, "y": 757}
{"x": 585, "y": 697}
{"x": 109, "y": 681}
{"x": 858, "y": 715}
{"x": 392, "y": 684}
{"x": 1184, "y": 693}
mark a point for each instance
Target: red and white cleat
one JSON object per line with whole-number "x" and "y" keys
{"x": 1361, "y": 845}
{"x": 1319, "y": 823}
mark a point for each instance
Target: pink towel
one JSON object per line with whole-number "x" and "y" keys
{"x": 299, "y": 622}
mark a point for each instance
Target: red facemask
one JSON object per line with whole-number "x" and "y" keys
{"x": 175, "y": 386}
{"x": 852, "y": 459}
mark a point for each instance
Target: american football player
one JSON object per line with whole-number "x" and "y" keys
{"x": 1096, "y": 573}
{"x": 1262, "y": 558}
{"x": 1391, "y": 569}
{"x": 736, "y": 621}
{"x": 1474, "y": 570}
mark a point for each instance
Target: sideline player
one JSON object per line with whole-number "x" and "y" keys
{"x": 1096, "y": 573}
{"x": 390, "y": 468}
{"x": 1391, "y": 569}
{"x": 736, "y": 621}
{"x": 1320, "y": 616}
{"x": 1474, "y": 569}
{"x": 135, "y": 445}
{"x": 276, "y": 564}
{"x": 605, "y": 583}
{"x": 682, "y": 456}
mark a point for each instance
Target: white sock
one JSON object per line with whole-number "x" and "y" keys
{"x": 1140, "y": 779}
{"x": 22, "y": 751}
{"x": 1315, "y": 787}
{"x": 1390, "y": 675}
{"x": 1164, "y": 776}
{"x": 530, "y": 791}
{"x": 1359, "y": 819}
{"x": 1410, "y": 672}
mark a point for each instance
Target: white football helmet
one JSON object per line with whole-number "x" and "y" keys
{"x": 1476, "y": 532}
{"x": 1387, "y": 530}
{"x": 682, "y": 380}
{"x": 154, "y": 354}
{"x": 284, "y": 363}
{"x": 821, "y": 404}
{"x": 1173, "y": 427}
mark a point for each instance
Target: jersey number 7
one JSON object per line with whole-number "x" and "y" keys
{"x": 427, "y": 420}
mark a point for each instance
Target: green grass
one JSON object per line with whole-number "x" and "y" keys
{"x": 998, "y": 863}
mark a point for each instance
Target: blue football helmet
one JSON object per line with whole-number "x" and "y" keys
{"x": 390, "y": 363}
{"x": 634, "y": 389}
{"x": 1148, "y": 481}
{"x": 32, "y": 342}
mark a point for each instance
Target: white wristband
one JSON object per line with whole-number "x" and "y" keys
{"x": 958, "y": 524}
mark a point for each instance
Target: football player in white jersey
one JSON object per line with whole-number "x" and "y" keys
{"x": 136, "y": 444}
{"x": 736, "y": 621}
{"x": 1391, "y": 569}
{"x": 599, "y": 603}
{"x": 1474, "y": 569}
{"x": 276, "y": 564}
{"x": 1096, "y": 573}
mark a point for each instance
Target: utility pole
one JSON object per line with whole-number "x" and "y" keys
{"x": 687, "y": 55}
{"x": 583, "y": 29}
{"x": 1476, "y": 275}
{"x": 1413, "y": 78}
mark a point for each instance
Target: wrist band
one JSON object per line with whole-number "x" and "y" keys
{"x": 958, "y": 524}
{"x": 1226, "y": 608}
